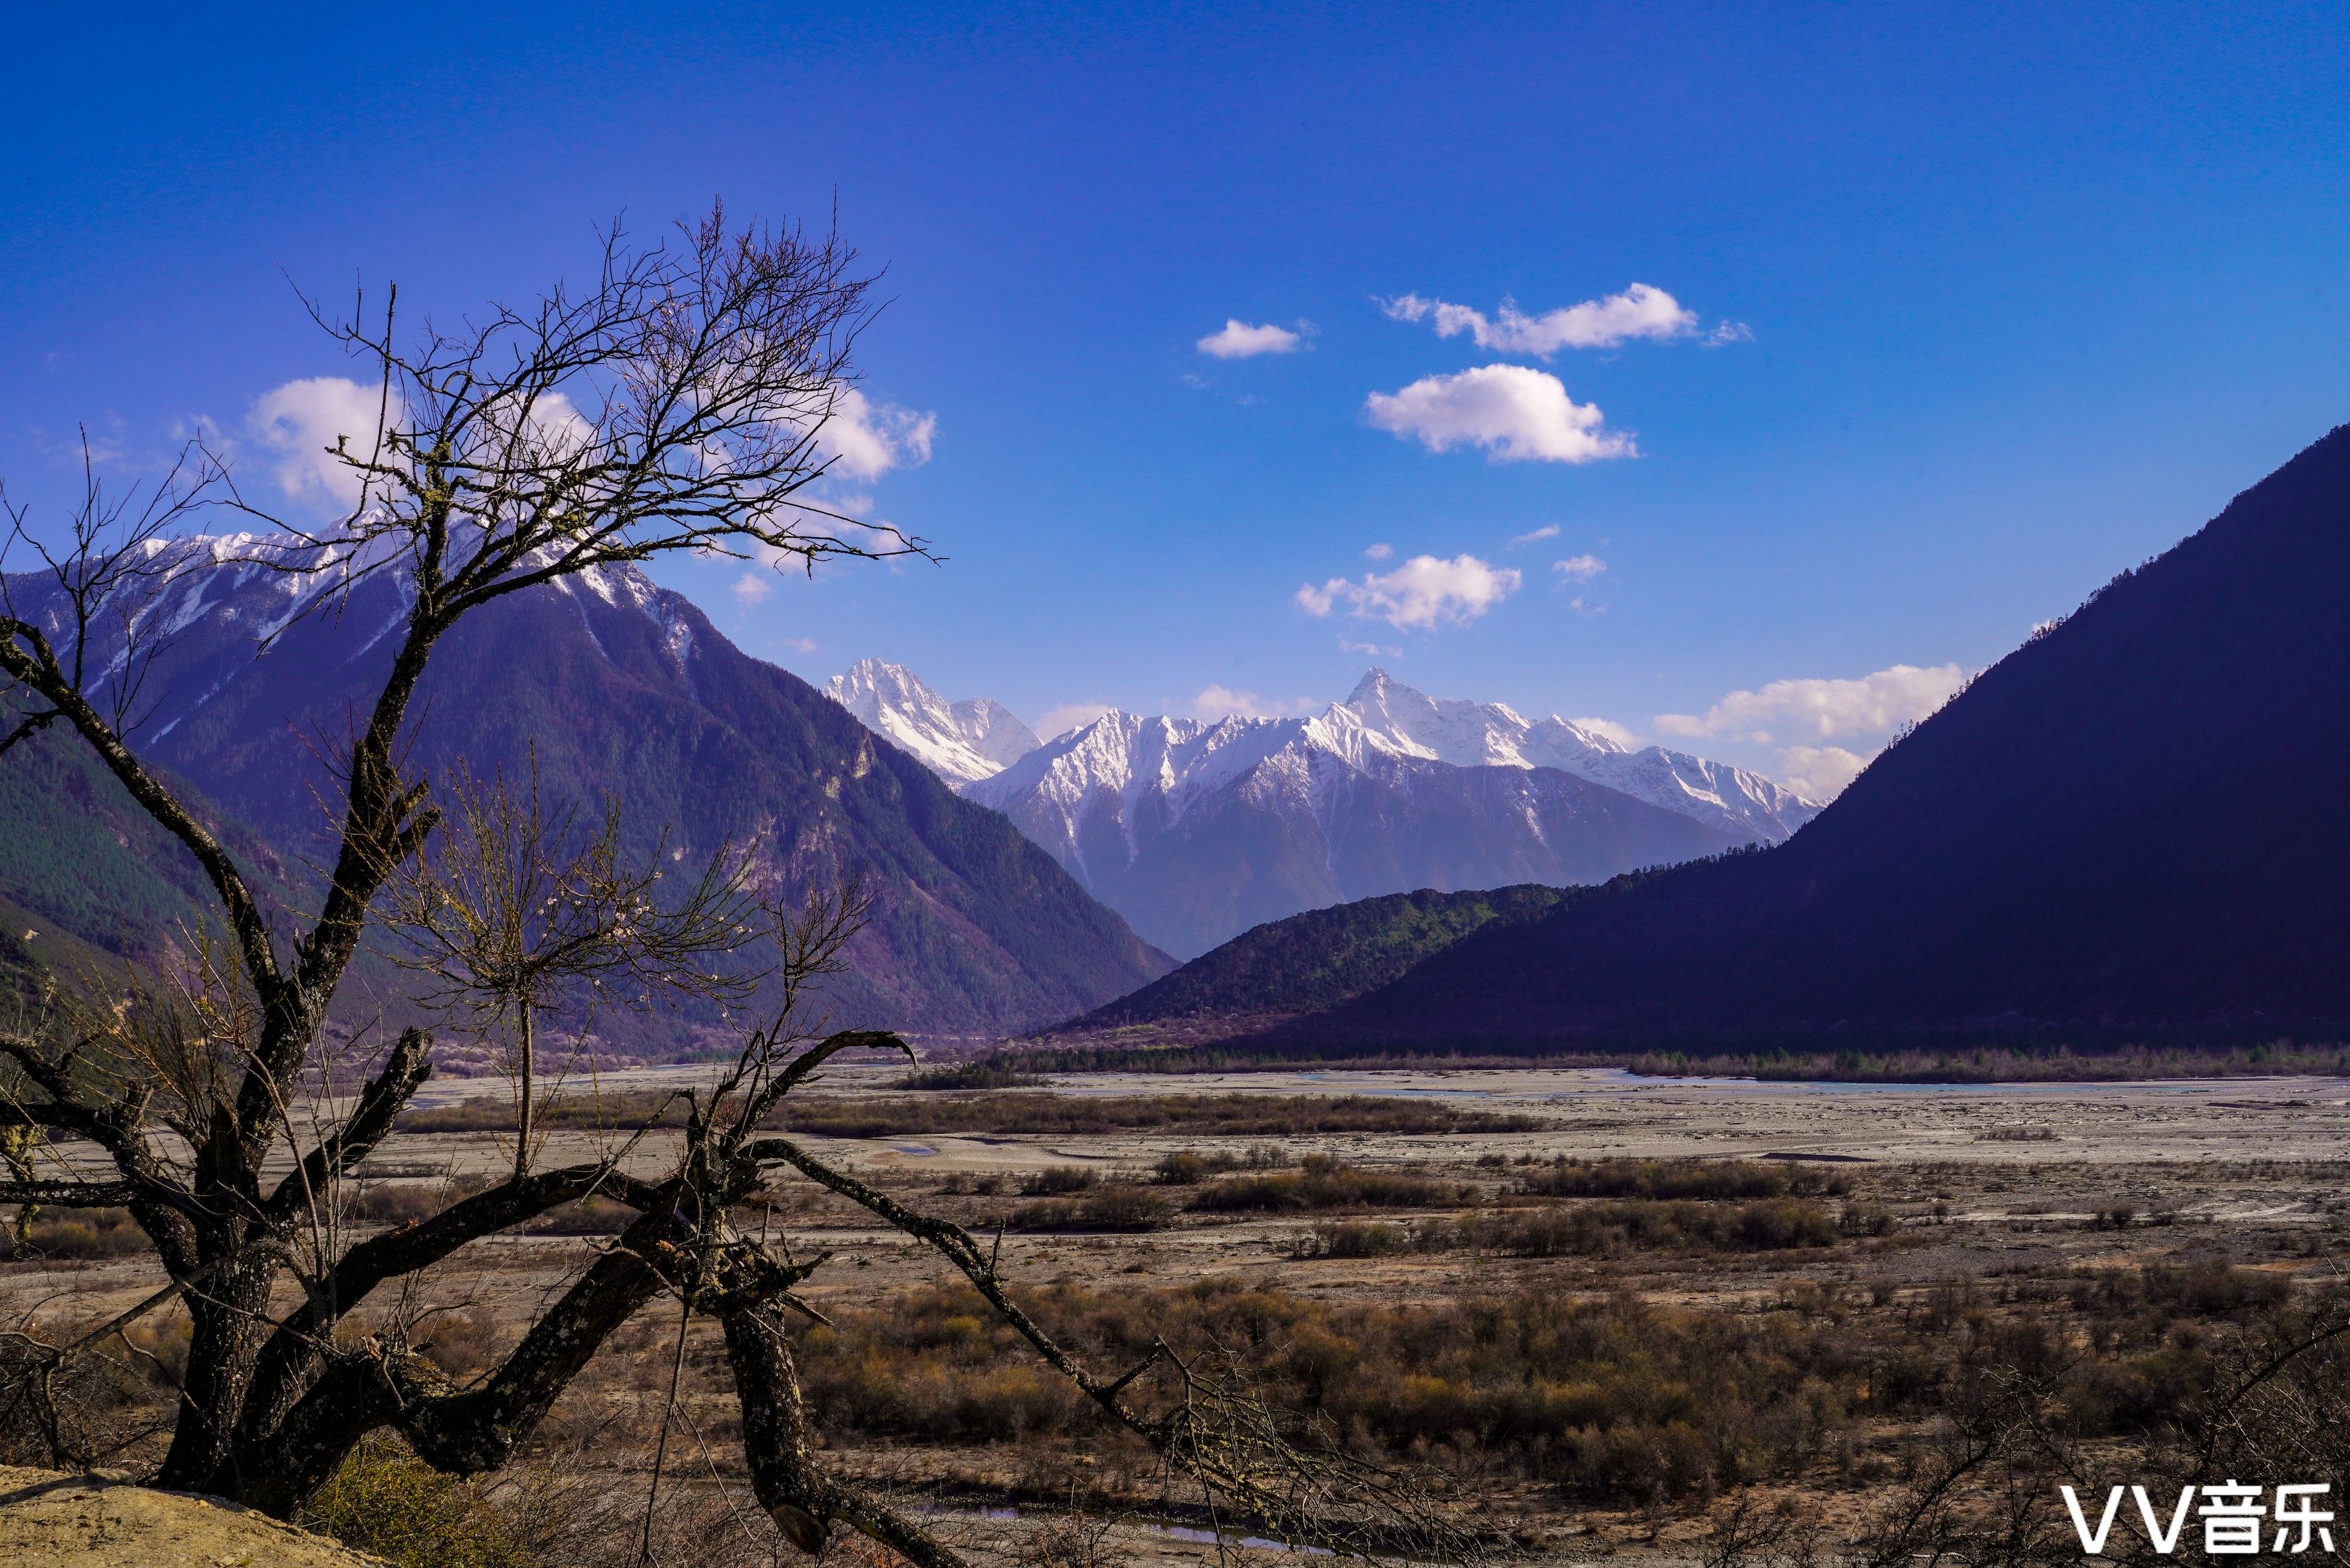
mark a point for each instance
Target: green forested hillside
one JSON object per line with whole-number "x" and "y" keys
{"x": 81, "y": 865}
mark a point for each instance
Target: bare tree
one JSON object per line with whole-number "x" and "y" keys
{"x": 675, "y": 405}
{"x": 511, "y": 905}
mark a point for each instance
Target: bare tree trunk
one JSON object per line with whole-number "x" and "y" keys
{"x": 230, "y": 1313}
{"x": 522, "y": 1115}
{"x": 801, "y": 1499}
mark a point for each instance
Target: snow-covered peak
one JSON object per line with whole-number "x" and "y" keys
{"x": 1404, "y": 723}
{"x": 1382, "y": 719}
{"x": 1400, "y": 721}
{"x": 1122, "y": 751}
{"x": 994, "y": 731}
{"x": 980, "y": 749}
{"x": 962, "y": 742}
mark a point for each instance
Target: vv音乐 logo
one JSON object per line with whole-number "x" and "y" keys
{"x": 2235, "y": 1518}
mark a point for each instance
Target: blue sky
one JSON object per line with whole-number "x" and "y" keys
{"x": 2016, "y": 296}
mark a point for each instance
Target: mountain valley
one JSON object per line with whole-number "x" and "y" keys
{"x": 1197, "y": 830}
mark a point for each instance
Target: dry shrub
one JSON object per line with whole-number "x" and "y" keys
{"x": 405, "y": 1202}
{"x": 1594, "y": 1231}
{"x": 1120, "y": 1207}
{"x": 1073, "y": 1539}
{"x": 101, "y": 1408}
{"x": 2159, "y": 1292}
{"x": 460, "y": 1344}
{"x": 1183, "y": 1167}
{"x": 1356, "y": 1239}
{"x": 1865, "y": 1219}
{"x": 1611, "y": 1400}
{"x": 397, "y": 1203}
{"x": 1746, "y": 1533}
{"x": 161, "y": 1344}
{"x": 388, "y": 1501}
{"x": 1681, "y": 1179}
{"x": 1054, "y": 1180}
{"x": 1324, "y": 1183}
{"x": 73, "y": 1233}
{"x": 950, "y": 1381}
{"x": 1597, "y": 1229}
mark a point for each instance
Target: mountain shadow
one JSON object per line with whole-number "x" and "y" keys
{"x": 2128, "y": 830}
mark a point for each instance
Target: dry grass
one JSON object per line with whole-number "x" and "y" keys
{"x": 1600, "y": 1345}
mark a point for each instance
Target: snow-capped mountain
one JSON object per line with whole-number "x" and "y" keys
{"x": 1402, "y": 721}
{"x": 962, "y": 742}
{"x": 1197, "y": 830}
{"x": 597, "y": 682}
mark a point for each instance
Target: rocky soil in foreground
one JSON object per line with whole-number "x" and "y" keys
{"x": 50, "y": 1520}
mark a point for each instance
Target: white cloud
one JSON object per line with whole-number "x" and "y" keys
{"x": 751, "y": 588}
{"x": 1640, "y": 311}
{"x": 800, "y": 644}
{"x": 1372, "y": 648}
{"x": 1421, "y": 595}
{"x": 1238, "y": 340}
{"x": 1514, "y": 413}
{"x": 1820, "y": 772}
{"x": 1825, "y": 710}
{"x": 301, "y": 420}
{"x": 1058, "y": 721}
{"x": 1622, "y": 734}
{"x": 1549, "y": 531}
{"x": 1221, "y": 702}
{"x": 1379, "y": 552}
{"x": 866, "y": 439}
{"x": 1578, "y": 569}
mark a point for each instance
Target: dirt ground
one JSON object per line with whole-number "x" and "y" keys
{"x": 53, "y": 1520}
{"x": 1981, "y": 1181}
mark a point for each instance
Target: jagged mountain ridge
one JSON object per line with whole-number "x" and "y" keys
{"x": 1197, "y": 829}
{"x": 962, "y": 742}
{"x": 617, "y": 684}
{"x": 1396, "y": 720}
{"x": 977, "y": 738}
{"x": 2127, "y": 830}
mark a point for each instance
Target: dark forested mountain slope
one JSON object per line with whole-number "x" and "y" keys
{"x": 621, "y": 686}
{"x": 2128, "y": 829}
{"x": 1315, "y": 959}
